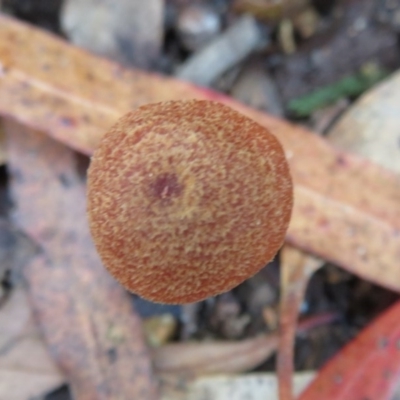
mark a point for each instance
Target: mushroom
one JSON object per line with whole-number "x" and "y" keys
{"x": 187, "y": 199}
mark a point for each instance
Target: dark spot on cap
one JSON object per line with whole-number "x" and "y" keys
{"x": 166, "y": 186}
{"x": 68, "y": 121}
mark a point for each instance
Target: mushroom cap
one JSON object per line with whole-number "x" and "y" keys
{"x": 187, "y": 199}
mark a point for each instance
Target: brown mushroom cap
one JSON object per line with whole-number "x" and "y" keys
{"x": 187, "y": 199}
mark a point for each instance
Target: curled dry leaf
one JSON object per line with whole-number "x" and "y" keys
{"x": 371, "y": 126}
{"x": 346, "y": 210}
{"x": 86, "y": 317}
{"x": 194, "y": 359}
{"x": 191, "y": 359}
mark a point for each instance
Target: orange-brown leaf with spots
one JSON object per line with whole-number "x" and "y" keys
{"x": 346, "y": 209}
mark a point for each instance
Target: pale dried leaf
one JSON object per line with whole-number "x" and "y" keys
{"x": 26, "y": 368}
{"x": 87, "y": 319}
{"x": 230, "y": 387}
{"x": 127, "y": 31}
{"x": 371, "y": 126}
{"x": 194, "y": 358}
{"x": 223, "y": 53}
{"x": 256, "y": 88}
{"x": 190, "y": 359}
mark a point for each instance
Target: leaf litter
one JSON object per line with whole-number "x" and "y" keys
{"x": 24, "y": 356}
{"x": 368, "y": 208}
{"x": 87, "y": 319}
{"x": 368, "y": 128}
{"x": 339, "y": 198}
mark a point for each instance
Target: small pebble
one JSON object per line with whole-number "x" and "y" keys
{"x": 286, "y": 36}
{"x": 224, "y": 52}
{"x": 197, "y": 26}
{"x": 256, "y": 88}
{"x": 307, "y": 22}
{"x": 159, "y": 329}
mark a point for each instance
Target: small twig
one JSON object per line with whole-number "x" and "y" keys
{"x": 296, "y": 269}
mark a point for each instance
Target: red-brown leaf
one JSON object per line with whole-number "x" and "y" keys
{"x": 367, "y": 368}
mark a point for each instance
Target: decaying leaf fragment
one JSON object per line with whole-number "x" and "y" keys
{"x": 87, "y": 319}
{"x": 23, "y": 354}
{"x": 346, "y": 210}
{"x": 371, "y": 126}
{"x": 127, "y": 31}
